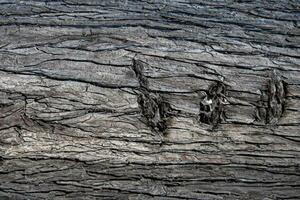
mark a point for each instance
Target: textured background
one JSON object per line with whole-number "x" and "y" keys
{"x": 103, "y": 99}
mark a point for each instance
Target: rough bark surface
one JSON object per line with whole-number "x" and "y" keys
{"x": 156, "y": 99}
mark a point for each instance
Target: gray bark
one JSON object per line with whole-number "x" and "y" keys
{"x": 181, "y": 99}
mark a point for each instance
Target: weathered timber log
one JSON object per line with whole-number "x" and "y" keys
{"x": 156, "y": 99}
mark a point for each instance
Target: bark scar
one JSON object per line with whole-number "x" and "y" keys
{"x": 212, "y": 105}
{"x": 153, "y": 106}
{"x": 276, "y": 98}
{"x": 271, "y": 110}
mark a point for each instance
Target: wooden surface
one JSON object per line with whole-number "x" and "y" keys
{"x": 150, "y": 99}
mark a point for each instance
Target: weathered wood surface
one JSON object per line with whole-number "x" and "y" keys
{"x": 181, "y": 99}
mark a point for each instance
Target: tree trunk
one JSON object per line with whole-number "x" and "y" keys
{"x": 149, "y": 99}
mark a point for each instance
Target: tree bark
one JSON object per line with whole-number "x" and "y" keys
{"x": 183, "y": 99}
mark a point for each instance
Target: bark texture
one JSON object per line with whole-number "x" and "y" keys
{"x": 156, "y": 99}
